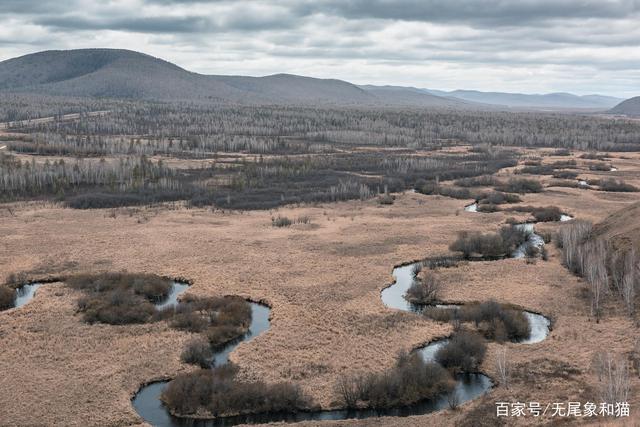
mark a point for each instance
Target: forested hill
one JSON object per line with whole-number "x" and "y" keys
{"x": 630, "y": 107}
{"x": 124, "y": 74}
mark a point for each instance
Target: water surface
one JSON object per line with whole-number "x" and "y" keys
{"x": 26, "y": 293}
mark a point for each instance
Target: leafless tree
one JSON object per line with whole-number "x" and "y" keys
{"x": 613, "y": 374}
{"x": 629, "y": 279}
{"x": 503, "y": 367}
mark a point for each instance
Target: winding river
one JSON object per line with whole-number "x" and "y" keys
{"x": 26, "y": 293}
{"x": 468, "y": 386}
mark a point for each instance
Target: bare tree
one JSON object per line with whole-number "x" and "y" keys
{"x": 453, "y": 399}
{"x": 595, "y": 272}
{"x": 348, "y": 389}
{"x": 424, "y": 290}
{"x": 503, "y": 367}
{"x": 629, "y": 278}
{"x": 613, "y": 374}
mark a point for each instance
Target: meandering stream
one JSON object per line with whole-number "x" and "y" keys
{"x": 468, "y": 386}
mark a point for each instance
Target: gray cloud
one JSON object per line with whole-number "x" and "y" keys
{"x": 485, "y": 12}
{"x": 538, "y": 44}
{"x": 190, "y": 24}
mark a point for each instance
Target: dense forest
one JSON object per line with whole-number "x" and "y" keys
{"x": 201, "y": 129}
{"x": 262, "y": 157}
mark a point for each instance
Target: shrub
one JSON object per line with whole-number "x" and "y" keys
{"x": 489, "y": 245}
{"x": 119, "y": 298}
{"x": 477, "y": 181}
{"x": 7, "y": 297}
{"x": 385, "y": 199}
{"x": 547, "y": 214}
{"x": 499, "y": 198}
{"x": 16, "y": 278}
{"x": 536, "y": 170}
{"x": 540, "y": 214}
{"x": 488, "y": 208}
{"x": 463, "y": 353}
{"x": 561, "y": 152}
{"x": 424, "y": 290}
{"x": 434, "y": 188}
{"x": 197, "y": 351}
{"x": 564, "y": 183}
{"x": 593, "y": 156}
{"x": 426, "y": 187}
{"x": 611, "y": 184}
{"x": 445, "y": 261}
{"x": 565, "y": 175}
{"x": 411, "y": 380}
{"x": 455, "y": 193}
{"x": 221, "y": 320}
{"x": 521, "y": 186}
{"x": 601, "y": 166}
{"x": 150, "y": 286}
{"x": 116, "y": 308}
{"x": 218, "y": 392}
{"x": 494, "y": 321}
{"x": 281, "y": 221}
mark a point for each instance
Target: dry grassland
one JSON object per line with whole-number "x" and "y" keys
{"x": 322, "y": 281}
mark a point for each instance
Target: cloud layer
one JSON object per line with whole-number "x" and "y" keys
{"x": 581, "y": 46}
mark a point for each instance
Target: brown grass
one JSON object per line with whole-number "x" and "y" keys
{"x": 323, "y": 284}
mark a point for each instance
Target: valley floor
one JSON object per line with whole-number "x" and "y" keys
{"x": 323, "y": 282}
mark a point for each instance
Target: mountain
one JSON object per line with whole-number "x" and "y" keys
{"x": 126, "y": 74}
{"x": 630, "y": 107}
{"x": 520, "y": 100}
{"x": 410, "y": 96}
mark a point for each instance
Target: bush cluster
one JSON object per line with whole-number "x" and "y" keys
{"x": 424, "y": 290}
{"x": 463, "y": 353}
{"x": 478, "y": 181}
{"x": 434, "y": 188}
{"x": 220, "y": 319}
{"x": 599, "y": 166}
{"x": 283, "y": 221}
{"x": 412, "y": 380}
{"x": 540, "y": 214}
{"x": 565, "y": 174}
{"x": 493, "y": 320}
{"x": 523, "y": 185}
{"x": 385, "y": 199}
{"x": 119, "y": 298}
{"x": 489, "y": 245}
{"x": 198, "y": 351}
{"x": 7, "y": 297}
{"x": 610, "y": 184}
{"x": 218, "y": 392}
{"x": 498, "y": 198}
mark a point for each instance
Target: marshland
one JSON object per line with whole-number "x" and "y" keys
{"x": 166, "y": 263}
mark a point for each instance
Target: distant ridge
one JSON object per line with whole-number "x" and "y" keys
{"x": 125, "y": 74}
{"x": 630, "y": 107}
{"x": 115, "y": 73}
{"x": 558, "y": 100}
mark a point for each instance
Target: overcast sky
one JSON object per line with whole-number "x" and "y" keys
{"x": 580, "y": 46}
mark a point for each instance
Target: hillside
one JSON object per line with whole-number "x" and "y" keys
{"x": 400, "y": 95}
{"x": 131, "y": 75}
{"x": 630, "y": 107}
{"x": 520, "y": 100}
{"x": 621, "y": 228}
